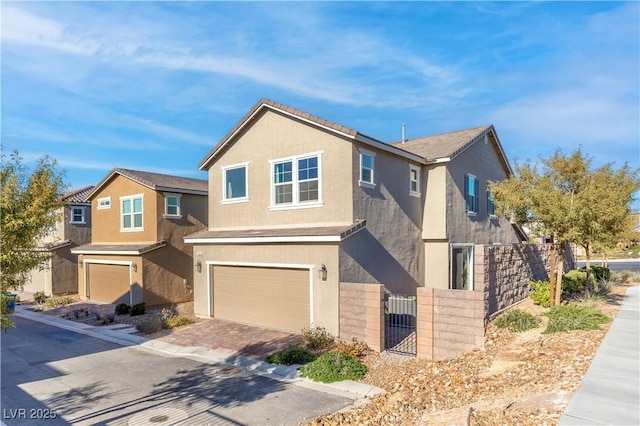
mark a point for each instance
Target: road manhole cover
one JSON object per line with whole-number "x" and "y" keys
{"x": 222, "y": 371}
{"x": 158, "y": 416}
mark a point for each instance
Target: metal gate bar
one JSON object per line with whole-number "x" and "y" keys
{"x": 400, "y": 324}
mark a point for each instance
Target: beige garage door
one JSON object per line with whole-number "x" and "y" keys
{"x": 268, "y": 297}
{"x": 109, "y": 283}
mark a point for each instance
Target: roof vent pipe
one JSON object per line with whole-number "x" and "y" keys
{"x": 403, "y": 139}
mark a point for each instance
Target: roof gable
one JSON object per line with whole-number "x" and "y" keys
{"x": 156, "y": 182}
{"x": 79, "y": 195}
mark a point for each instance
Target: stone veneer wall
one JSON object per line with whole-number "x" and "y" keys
{"x": 362, "y": 313}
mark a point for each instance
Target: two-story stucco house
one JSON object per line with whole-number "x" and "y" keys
{"x": 59, "y": 274}
{"x": 137, "y": 251}
{"x": 298, "y": 205}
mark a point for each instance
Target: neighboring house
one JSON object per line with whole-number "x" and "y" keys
{"x": 59, "y": 274}
{"x": 137, "y": 253}
{"x": 298, "y": 205}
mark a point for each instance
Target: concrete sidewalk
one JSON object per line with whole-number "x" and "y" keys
{"x": 610, "y": 391}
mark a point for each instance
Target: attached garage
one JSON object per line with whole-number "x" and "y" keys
{"x": 270, "y": 297}
{"x": 108, "y": 283}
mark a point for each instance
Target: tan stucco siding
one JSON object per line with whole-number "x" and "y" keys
{"x": 482, "y": 161}
{"x": 436, "y": 264}
{"x": 434, "y": 221}
{"x": 40, "y": 279}
{"x": 389, "y": 251}
{"x": 109, "y": 219}
{"x": 271, "y": 137}
{"x": 325, "y": 293}
{"x": 168, "y": 276}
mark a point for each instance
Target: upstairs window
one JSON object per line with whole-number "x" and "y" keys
{"x": 491, "y": 206}
{"x": 235, "y": 183}
{"x": 471, "y": 194}
{"x": 172, "y": 206}
{"x": 104, "y": 203}
{"x": 77, "y": 215}
{"x": 367, "y": 168}
{"x": 414, "y": 181}
{"x": 296, "y": 182}
{"x": 131, "y": 213}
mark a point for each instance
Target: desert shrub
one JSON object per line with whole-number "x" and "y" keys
{"x": 57, "y": 301}
{"x": 39, "y": 297}
{"x": 107, "y": 319}
{"x": 621, "y": 277}
{"x": 137, "y": 309}
{"x": 177, "y": 321}
{"x": 356, "y": 348}
{"x": 149, "y": 325}
{"x": 517, "y": 320}
{"x": 122, "y": 309}
{"x": 598, "y": 272}
{"x": 317, "y": 338}
{"x": 291, "y": 355}
{"x": 573, "y": 281}
{"x": 334, "y": 367}
{"x": 575, "y": 316}
{"x": 540, "y": 293}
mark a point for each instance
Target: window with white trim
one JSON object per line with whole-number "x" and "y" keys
{"x": 414, "y": 181}
{"x": 78, "y": 215}
{"x": 461, "y": 263}
{"x": 235, "y": 183}
{"x": 104, "y": 203}
{"x": 296, "y": 182}
{"x": 131, "y": 213}
{"x": 367, "y": 168}
{"x": 471, "y": 194}
{"x": 172, "y": 206}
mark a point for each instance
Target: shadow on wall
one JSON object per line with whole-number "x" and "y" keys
{"x": 364, "y": 260}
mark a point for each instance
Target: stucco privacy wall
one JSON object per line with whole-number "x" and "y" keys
{"x": 362, "y": 314}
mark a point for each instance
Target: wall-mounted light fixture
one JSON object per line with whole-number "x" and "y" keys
{"x": 322, "y": 272}
{"x": 198, "y": 266}
{"x": 134, "y": 267}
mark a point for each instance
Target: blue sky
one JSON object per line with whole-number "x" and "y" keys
{"x": 155, "y": 85}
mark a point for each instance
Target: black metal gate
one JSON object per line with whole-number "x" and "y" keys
{"x": 400, "y": 324}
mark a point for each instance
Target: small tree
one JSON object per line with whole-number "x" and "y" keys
{"x": 28, "y": 205}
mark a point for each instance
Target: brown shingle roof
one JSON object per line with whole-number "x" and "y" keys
{"x": 77, "y": 195}
{"x": 443, "y": 145}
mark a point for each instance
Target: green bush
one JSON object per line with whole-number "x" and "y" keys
{"x": 137, "y": 309}
{"x": 39, "y": 297}
{"x": 334, "y": 367}
{"x": 575, "y": 316}
{"x": 598, "y": 272}
{"x": 317, "y": 338}
{"x": 176, "y": 321}
{"x": 517, "y": 320}
{"x": 290, "y": 356}
{"x": 573, "y": 281}
{"x": 540, "y": 293}
{"x": 149, "y": 325}
{"x": 122, "y": 309}
{"x": 57, "y": 301}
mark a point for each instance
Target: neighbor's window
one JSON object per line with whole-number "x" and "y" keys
{"x": 461, "y": 267}
{"x": 471, "y": 194}
{"x": 131, "y": 213}
{"x": 367, "y": 167}
{"x": 491, "y": 206}
{"x": 296, "y": 182}
{"x": 104, "y": 203}
{"x": 414, "y": 181}
{"x": 235, "y": 183}
{"x": 77, "y": 215}
{"x": 172, "y": 205}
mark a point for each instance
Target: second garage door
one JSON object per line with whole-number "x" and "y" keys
{"x": 269, "y": 297}
{"x": 109, "y": 283}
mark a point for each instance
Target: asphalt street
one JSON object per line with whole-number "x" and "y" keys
{"x": 51, "y": 376}
{"x": 632, "y": 265}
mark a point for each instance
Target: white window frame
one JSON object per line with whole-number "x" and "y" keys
{"x": 83, "y": 219}
{"x": 233, "y": 200}
{"x": 412, "y": 192}
{"x": 474, "y": 210}
{"x": 133, "y": 228}
{"x": 295, "y": 182}
{"x": 470, "y": 275}
{"x": 104, "y": 203}
{"x": 168, "y": 215}
{"x": 361, "y": 181}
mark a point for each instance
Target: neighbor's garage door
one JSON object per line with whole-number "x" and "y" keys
{"x": 109, "y": 283}
{"x": 269, "y": 297}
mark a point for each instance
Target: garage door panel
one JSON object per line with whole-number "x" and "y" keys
{"x": 109, "y": 283}
{"x": 270, "y": 297}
